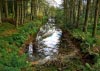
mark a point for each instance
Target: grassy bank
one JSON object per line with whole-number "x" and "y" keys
{"x": 11, "y": 39}
{"x": 89, "y": 48}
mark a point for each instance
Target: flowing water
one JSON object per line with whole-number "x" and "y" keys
{"x": 47, "y": 41}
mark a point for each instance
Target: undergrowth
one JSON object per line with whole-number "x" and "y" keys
{"x": 85, "y": 39}
{"x": 10, "y": 59}
{"x": 87, "y": 43}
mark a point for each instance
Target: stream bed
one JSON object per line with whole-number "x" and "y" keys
{"x": 47, "y": 41}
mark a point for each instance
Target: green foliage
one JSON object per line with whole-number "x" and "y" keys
{"x": 88, "y": 67}
{"x": 98, "y": 42}
{"x": 38, "y": 23}
{"x": 85, "y": 39}
{"x": 20, "y": 37}
{"x": 10, "y": 60}
{"x": 59, "y": 18}
{"x": 44, "y": 20}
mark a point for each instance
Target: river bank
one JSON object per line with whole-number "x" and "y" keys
{"x": 67, "y": 50}
{"x": 69, "y": 58}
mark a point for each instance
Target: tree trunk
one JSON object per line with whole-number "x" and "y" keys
{"x": 17, "y": 20}
{"x": 24, "y": 9}
{"x": 79, "y": 11}
{"x": 96, "y": 18}
{"x": 65, "y": 10}
{"x": 32, "y": 9}
{"x": 6, "y": 8}
{"x": 35, "y": 8}
{"x": 92, "y": 11}
{"x": 13, "y": 8}
{"x": 86, "y": 16}
{"x": 22, "y": 13}
{"x": 0, "y": 11}
{"x": 74, "y": 12}
{"x": 71, "y": 12}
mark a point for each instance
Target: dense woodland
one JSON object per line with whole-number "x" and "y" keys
{"x": 79, "y": 20}
{"x": 88, "y": 11}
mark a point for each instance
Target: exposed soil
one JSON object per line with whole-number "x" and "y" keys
{"x": 24, "y": 47}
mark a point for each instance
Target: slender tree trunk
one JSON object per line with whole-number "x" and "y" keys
{"x": 65, "y": 10}
{"x": 92, "y": 11}
{"x": 6, "y": 8}
{"x": 13, "y": 8}
{"x": 79, "y": 11}
{"x": 96, "y": 17}
{"x": 74, "y": 11}
{"x": 32, "y": 9}
{"x": 25, "y": 9}
{"x": 17, "y": 20}
{"x": 35, "y": 8}
{"x": 0, "y": 11}
{"x": 22, "y": 13}
{"x": 71, "y": 12}
{"x": 86, "y": 16}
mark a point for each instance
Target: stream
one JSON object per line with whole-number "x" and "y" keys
{"x": 47, "y": 41}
